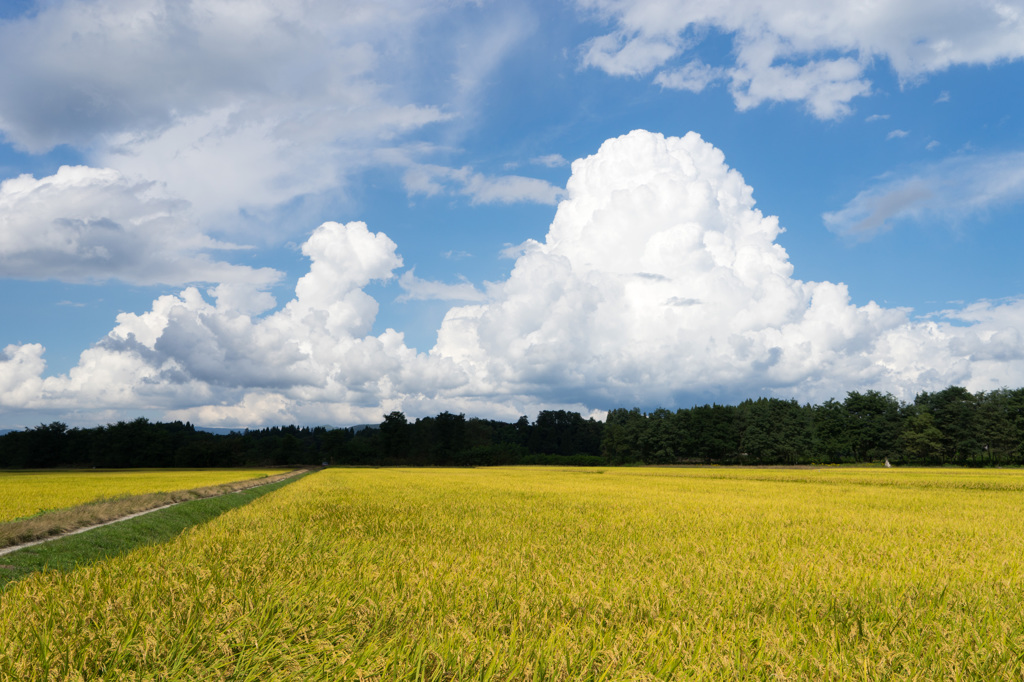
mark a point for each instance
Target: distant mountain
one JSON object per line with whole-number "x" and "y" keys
{"x": 223, "y": 431}
{"x": 220, "y": 431}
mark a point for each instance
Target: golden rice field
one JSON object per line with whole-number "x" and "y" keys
{"x": 540, "y": 574}
{"x": 25, "y": 493}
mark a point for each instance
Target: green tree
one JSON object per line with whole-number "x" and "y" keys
{"x": 999, "y": 422}
{"x": 955, "y": 412}
{"x": 394, "y": 435}
{"x": 663, "y": 438}
{"x": 874, "y": 422}
{"x": 713, "y": 433}
{"x": 773, "y": 431}
{"x": 623, "y": 430}
{"x": 831, "y": 436}
{"x": 449, "y": 437}
{"x": 920, "y": 442}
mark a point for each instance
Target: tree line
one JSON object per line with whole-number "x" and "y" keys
{"x": 948, "y": 427}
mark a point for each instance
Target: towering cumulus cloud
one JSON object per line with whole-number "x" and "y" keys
{"x": 659, "y": 283}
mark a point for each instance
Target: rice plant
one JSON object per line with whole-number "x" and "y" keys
{"x": 25, "y": 493}
{"x": 520, "y": 573}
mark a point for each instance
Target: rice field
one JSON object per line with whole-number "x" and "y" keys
{"x": 27, "y": 493}
{"x": 541, "y": 574}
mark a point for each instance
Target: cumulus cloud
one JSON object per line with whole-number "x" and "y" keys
{"x": 658, "y": 278}
{"x": 91, "y": 224}
{"x": 896, "y": 134}
{"x": 313, "y": 359}
{"x": 991, "y": 334}
{"x": 811, "y": 52}
{"x": 945, "y": 193}
{"x": 659, "y": 282}
{"x": 21, "y": 369}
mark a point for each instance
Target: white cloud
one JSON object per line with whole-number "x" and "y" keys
{"x": 943, "y": 97}
{"x": 694, "y": 76}
{"x": 432, "y": 180}
{"x": 634, "y": 57}
{"x": 550, "y": 160}
{"x": 659, "y": 282}
{"x": 237, "y": 105}
{"x": 945, "y": 193}
{"x": 230, "y": 158}
{"x": 91, "y": 224}
{"x": 21, "y": 369}
{"x": 417, "y": 289}
{"x": 876, "y": 117}
{"x": 896, "y": 134}
{"x": 88, "y": 70}
{"x": 482, "y": 45}
{"x": 657, "y": 278}
{"x": 313, "y": 359}
{"x": 806, "y": 51}
{"x": 826, "y": 86}
{"x": 509, "y": 189}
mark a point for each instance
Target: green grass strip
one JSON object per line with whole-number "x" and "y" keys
{"x": 67, "y": 553}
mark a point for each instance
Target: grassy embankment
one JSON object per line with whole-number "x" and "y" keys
{"x": 510, "y": 574}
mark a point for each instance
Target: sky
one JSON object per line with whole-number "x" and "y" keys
{"x": 253, "y": 212}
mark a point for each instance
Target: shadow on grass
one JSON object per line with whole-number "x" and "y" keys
{"x": 69, "y": 552}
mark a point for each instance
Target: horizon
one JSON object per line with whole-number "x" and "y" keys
{"x": 601, "y": 417}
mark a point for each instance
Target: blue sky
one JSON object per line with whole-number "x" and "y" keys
{"x": 246, "y": 213}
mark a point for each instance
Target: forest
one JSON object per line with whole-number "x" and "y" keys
{"x": 949, "y": 427}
